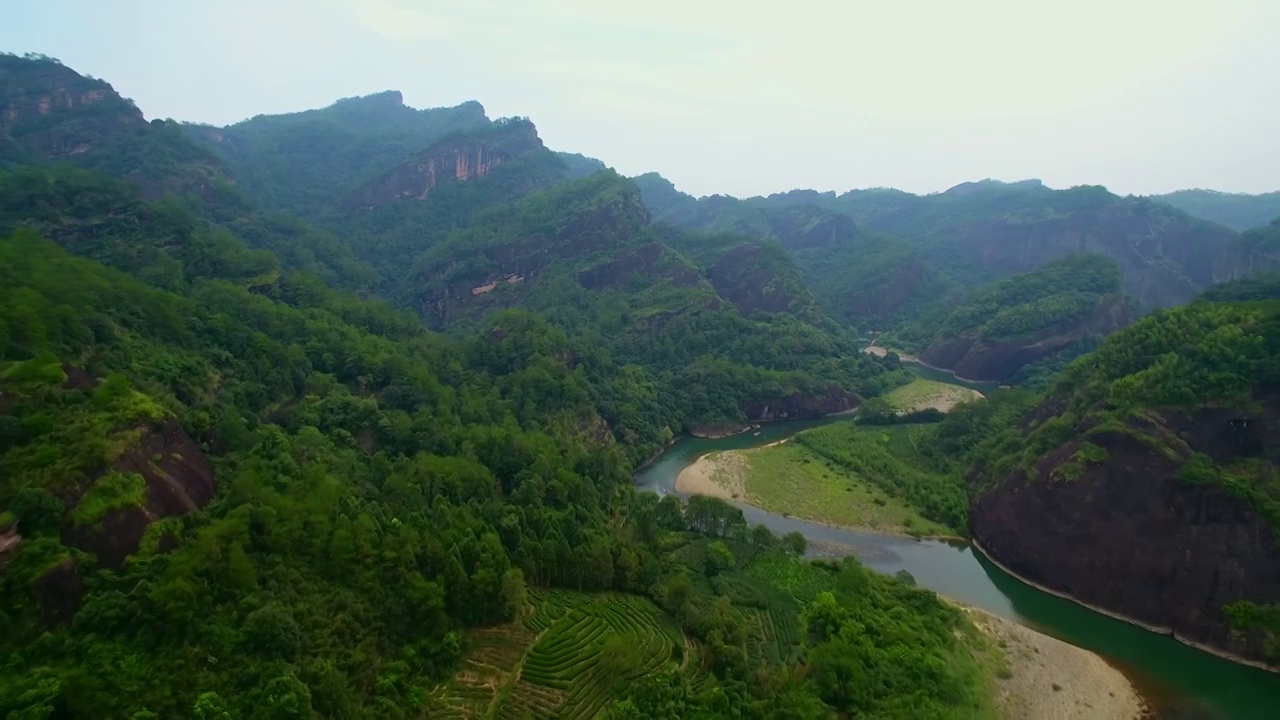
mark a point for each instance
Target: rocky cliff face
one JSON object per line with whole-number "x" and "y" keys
{"x": 834, "y": 399}
{"x": 974, "y": 358}
{"x": 1255, "y": 252}
{"x": 178, "y": 478}
{"x": 463, "y": 157}
{"x": 1125, "y": 534}
{"x": 48, "y": 110}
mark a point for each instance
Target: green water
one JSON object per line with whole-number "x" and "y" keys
{"x": 1172, "y": 675}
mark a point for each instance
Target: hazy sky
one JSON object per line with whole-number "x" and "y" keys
{"x": 740, "y": 97}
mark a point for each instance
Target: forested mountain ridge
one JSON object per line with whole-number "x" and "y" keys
{"x": 305, "y": 163}
{"x": 1238, "y": 211}
{"x": 584, "y": 255}
{"x": 985, "y": 230}
{"x": 463, "y": 156}
{"x": 1147, "y": 481}
{"x": 865, "y": 278}
{"x": 386, "y": 501}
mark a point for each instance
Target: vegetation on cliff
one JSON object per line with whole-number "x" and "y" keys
{"x": 1173, "y": 420}
{"x": 1027, "y": 326}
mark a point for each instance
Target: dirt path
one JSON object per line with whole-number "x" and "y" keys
{"x": 1054, "y": 680}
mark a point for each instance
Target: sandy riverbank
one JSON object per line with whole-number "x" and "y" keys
{"x": 720, "y": 475}
{"x": 1054, "y": 680}
{"x": 879, "y": 351}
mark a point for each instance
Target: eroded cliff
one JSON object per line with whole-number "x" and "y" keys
{"x": 1111, "y": 519}
{"x": 462, "y": 157}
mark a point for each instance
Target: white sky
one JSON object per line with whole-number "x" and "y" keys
{"x": 741, "y": 97}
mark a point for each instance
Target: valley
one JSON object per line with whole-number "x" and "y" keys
{"x": 1170, "y": 675}
{"x": 371, "y": 411}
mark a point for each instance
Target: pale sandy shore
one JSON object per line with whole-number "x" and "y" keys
{"x": 879, "y": 351}
{"x": 718, "y": 475}
{"x": 1054, "y": 680}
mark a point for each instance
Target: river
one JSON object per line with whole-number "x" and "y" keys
{"x": 1171, "y": 675}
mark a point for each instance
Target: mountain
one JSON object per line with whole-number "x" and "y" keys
{"x": 1049, "y": 315}
{"x": 982, "y": 231}
{"x": 1145, "y": 481}
{"x": 230, "y": 489}
{"x": 864, "y": 278}
{"x": 307, "y": 162}
{"x": 1063, "y": 307}
{"x": 1238, "y": 211}
{"x": 584, "y": 255}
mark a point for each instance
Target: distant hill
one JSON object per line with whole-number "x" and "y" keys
{"x": 1238, "y": 211}
{"x": 978, "y": 232}
{"x": 1047, "y": 316}
{"x": 860, "y": 276}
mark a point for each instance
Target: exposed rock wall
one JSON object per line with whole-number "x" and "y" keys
{"x": 462, "y": 158}
{"x": 179, "y": 480}
{"x": 1129, "y": 537}
{"x": 51, "y": 111}
{"x": 834, "y": 399}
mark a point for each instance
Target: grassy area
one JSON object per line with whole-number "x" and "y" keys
{"x": 920, "y": 394}
{"x": 901, "y": 461}
{"x": 793, "y": 479}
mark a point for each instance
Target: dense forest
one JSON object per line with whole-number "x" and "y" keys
{"x": 336, "y": 414}
{"x": 239, "y": 484}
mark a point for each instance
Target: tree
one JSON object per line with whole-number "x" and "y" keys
{"x": 795, "y": 543}
{"x": 763, "y": 536}
{"x": 719, "y": 558}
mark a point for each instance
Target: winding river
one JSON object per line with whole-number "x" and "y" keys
{"x": 1171, "y": 675}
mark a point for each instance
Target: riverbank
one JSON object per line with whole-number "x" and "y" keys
{"x": 921, "y": 394}
{"x": 1048, "y": 679}
{"x": 790, "y": 480}
{"x": 977, "y": 547}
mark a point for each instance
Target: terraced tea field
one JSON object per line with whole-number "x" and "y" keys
{"x": 568, "y": 659}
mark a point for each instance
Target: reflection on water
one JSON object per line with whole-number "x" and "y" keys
{"x": 1185, "y": 682}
